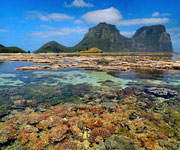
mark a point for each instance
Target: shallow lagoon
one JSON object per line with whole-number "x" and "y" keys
{"x": 142, "y": 105}
{"x": 10, "y": 77}
{"x": 60, "y": 84}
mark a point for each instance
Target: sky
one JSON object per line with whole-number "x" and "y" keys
{"x": 29, "y": 24}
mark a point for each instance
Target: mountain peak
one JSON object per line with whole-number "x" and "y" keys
{"x": 1, "y": 46}
{"x": 149, "y": 30}
{"x": 51, "y": 46}
{"x": 108, "y": 38}
{"x": 103, "y": 30}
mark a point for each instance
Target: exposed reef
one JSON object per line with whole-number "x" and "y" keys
{"x": 105, "y": 63}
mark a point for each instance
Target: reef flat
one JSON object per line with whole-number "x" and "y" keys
{"x": 120, "y": 119}
{"x": 94, "y": 62}
{"x": 61, "y": 102}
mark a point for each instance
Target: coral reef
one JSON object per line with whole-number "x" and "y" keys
{"x": 117, "y": 143}
{"x": 99, "y": 132}
{"x": 125, "y": 119}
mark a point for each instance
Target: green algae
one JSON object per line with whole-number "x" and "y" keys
{"x": 4, "y": 109}
{"x": 167, "y": 130}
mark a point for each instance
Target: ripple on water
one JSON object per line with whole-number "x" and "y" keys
{"x": 79, "y": 76}
{"x": 10, "y": 80}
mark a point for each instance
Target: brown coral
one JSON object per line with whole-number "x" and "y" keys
{"x": 111, "y": 127}
{"x": 76, "y": 132}
{"x": 58, "y": 133}
{"x": 30, "y": 129}
{"x": 102, "y": 132}
{"x": 35, "y": 118}
{"x": 94, "y": 123}
{"x": 43, "y": 125}
{"x": 67, "y": 146}
{"x": 53, "y": 121}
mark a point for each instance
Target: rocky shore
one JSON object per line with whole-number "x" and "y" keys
{"x": 106, "y": 63}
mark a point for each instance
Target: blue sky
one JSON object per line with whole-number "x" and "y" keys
{"x": 29, "y": 24}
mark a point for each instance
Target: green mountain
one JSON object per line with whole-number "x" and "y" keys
{"x": 108, "y": 38}
{"x": 1, "y": 46}
{"x": 12, "y": 49}
{"x": 53, "y": 47}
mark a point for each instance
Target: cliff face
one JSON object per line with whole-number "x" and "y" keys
{"x": 154, "y": 38}
{"x": 103, "y": 36}
{"x": 108, "y": 38}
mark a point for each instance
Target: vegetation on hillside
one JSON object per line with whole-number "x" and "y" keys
{"x": 92, "y": 50}
{"x": 108, "y": 38}
{"x": 12, "y": 49}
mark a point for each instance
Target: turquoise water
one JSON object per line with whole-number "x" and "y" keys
{"x": 71, "y": 85}
{"x": 9, "y": 77}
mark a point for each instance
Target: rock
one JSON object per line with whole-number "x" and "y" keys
{"x": 30, "y": 129}
{"x": 108, "y": 105}
{"x": 35, "y": 118}
{"x": 116, "y": 143}
{"x": 108, "y": 38}
{"x": 153, "y": 38}
{"x": 161, "y": 92}
{"x": 58, "y": 133}
{"x": 24, "y": 103}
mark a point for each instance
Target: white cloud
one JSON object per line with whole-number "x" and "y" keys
{"x": 78, "y": 21}
{"x": 58, "y": 32}
{"x": 143, "y": 21}
{"x": 4, "y": 31}
{"x": 127, "y": 33}
{"x": 48, "y": 17}
{"x": 175, "y": 29}
{"x": 46, "y": 27}
{"x": 175, "y": 33}
{"x": 157, "y": 14}
{"x": 113, "y": 16}
{"x": 109, "y": 15}
{"x": 79, "y": 3}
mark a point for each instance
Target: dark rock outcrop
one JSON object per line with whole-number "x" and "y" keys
{"x": 161, "y": 92}
{"x": 153, "y": 38}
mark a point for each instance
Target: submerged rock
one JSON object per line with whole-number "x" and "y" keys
{"x": 117, "y": 143}
{"x": 108, "y": 105}
{"x": 24, "y": 103}
{"x": 161, "y": 92}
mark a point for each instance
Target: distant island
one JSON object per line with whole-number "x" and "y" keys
{"x": 108, "y": 38}
{"x": 12, "y": 49}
